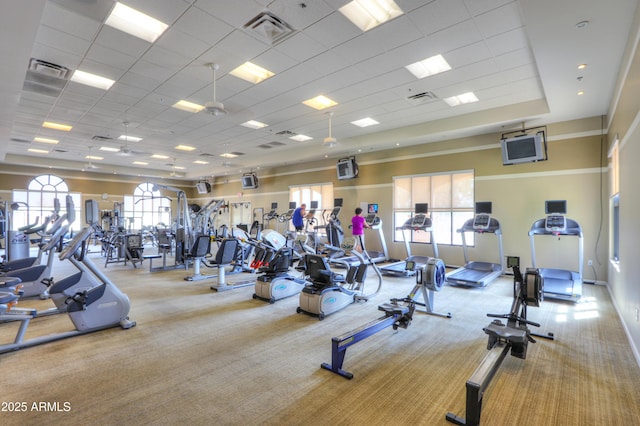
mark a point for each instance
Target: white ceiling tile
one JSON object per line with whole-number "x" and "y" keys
{"x": 122, "y": 42}
{"x": 300, "y": 47}
{"x": 507, "y": 42}
{"x": 477, "y": 7}
{"x": 233, "y": 12}
{"x": 342, "y": 30}
{"x": 182, "y": 43}
{"x": 67, "y": 21}
{"x": 110, "y": 57}
{"x": 499, "y": 20}
{"x": 438, "y": 15}
{"x": 51, "y": 37}
{"x": 56, "y": 56}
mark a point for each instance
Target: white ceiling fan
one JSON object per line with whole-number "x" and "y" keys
{"x": 124, "y": 150}
{"x": 330, "y": 141}
{"x": 90, "y": 165}
{"x": 214, "y": 107}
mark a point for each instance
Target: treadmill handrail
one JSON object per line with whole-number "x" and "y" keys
{"x": 572, "y": 228}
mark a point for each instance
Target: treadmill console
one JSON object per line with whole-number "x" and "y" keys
{"x": 419, "y": 220}
{"x": 555, "y": 223}
{"x": 372, "y": 219}
{"x": 481, "y": 221}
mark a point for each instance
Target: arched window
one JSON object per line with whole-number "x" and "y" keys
{"x": 38, "y": 201}
{"x": 146, "y": 208}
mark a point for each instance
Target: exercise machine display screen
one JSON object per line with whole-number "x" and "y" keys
{"x": 555, "y": 207}
{"x": 483, "y": 207}
{"x": 372, "y": 208}
{"x": 274, "y": 206}
{"x": 422, "y": 208}
{"x": 419, "y": 220}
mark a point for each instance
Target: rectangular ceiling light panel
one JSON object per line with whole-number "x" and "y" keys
{"x": 368, "y": 14}
{"x": 430, "y": 66}
{"x": 92, "y": 80}
{"x": 131, "y": 21}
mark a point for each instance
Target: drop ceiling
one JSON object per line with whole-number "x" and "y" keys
{"x": 519, "y": 58}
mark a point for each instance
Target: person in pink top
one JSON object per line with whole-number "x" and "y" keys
{"x": 357, "y": 229}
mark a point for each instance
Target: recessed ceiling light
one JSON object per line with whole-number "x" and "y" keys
{"x": 367, "y": 14}
{"x": 430, "y": 66}
{"x": 251, "y": 73}
{"x": 200, "y": 162}
{"x": 465, "y": 98}
{"x": 131, "y": 21}
{"x": 38, "y": 151}
{"x": 45, "y": 140}
{"x": 252, "y": 124}
{"x": 129, "y": 138}
{"x": 188, "y": 106}
{"x": 582, "y": 66}
{"x": 109, "y": 149}
{"x": 184, "y": 147}
{"x": 581, "y": 92}
{"x": 228, "y": 155}
{"x": 160, "y": 156}
{"x": 92, "y": 80}
{"x": 57, "y": 126}
{"x": 93, "y": 157}
{"x": 140, "y": 163}
{"x": 300, "y": 138}
{"x": 365, "y": 122}
{"x": 320, "y": 102}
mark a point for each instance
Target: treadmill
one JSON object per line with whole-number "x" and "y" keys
{"x": 479, "y": 274}
{"x": 419, "y": 222}
{"x": 559, "y": 284}
{"x": 375, "y": 223}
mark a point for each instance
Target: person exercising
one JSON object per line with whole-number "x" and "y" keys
{"x": 358, "y": 224}
{"x": 298, "y": 217}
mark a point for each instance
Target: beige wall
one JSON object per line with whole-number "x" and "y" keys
{"x": 623, "y": 281}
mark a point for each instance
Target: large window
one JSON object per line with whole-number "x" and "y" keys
{"x": 37, "y": 203}
{"x": 146, "y": 208}
{"x": 451, "y": 202}
{"x": 322, "y": 193}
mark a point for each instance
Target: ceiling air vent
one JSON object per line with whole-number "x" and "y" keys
{"x": 422, "y": 98}
{"x": 46, "y": 78}
{"x": 286, "y": 133}
{"x": 265, "y": 146}
{"x": 19, "y": 140}
{"x": 101, "y": 138}
{"x": 268, "y": 27}
{"x": 60, "y": 150}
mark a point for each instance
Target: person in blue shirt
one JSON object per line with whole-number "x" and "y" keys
{"x": 298, "y": 217}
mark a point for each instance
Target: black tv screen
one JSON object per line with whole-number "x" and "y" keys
{"x": 555, "y": 207}
{"x": 292, "y": 205}
{"x": 249, "y": 181}
{"x": 523, "y": 149}
{"x": 483, "y": 207}
{"x": 314, "y": 205}
{"x": 91, "y": 215}
{"x": 274, "y": 206}
{"x": 337, "y": 202}
{"x": 422, "y": 208}
{"x": 347, "y": 168}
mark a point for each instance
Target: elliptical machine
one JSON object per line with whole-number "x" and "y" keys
{"x": 97, "y": 308}
{"x": 276, "y": 259}
{"x": 329, "y": 292}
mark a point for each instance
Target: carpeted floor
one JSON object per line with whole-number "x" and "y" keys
{"x": 201, "y": 357}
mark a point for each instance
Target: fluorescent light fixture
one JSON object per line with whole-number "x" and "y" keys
{"x": 251, "y": 73}
{"x": 131, "y": 21}
{"x": 93, "y": 157}
{"x": 430, "y": 66}
{"x": 200, "y": 162}
{"x": 228, "y": 155}
{"x": 109, "y": 149}
{"x": 320, "y": 102}
{"x": 177, "y": 167}
{"x": 57, "y": 126}
{"x": 160, "y": 156}
{"x": 92, "y": 80}
{"x": 367, "y": 14}
{"x": 184, "y": 147}
{"x": 300, "y": 138}
{"x": 580, "y": 93}
{"x": 252, "y": 124}
{"x": 129, "y": 138}
{"x": 38, "y": 151}
{"x": 365, "y": 122}
{"x": 465, "y": 98}
{"x": 45, "y": 140}
{"x": 188, "y": 106}
{"x": 140, "y": 163}
{"x": 582, "y": 66}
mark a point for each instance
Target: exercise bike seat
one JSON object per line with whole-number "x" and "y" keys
{"x": 504, "y": 332}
